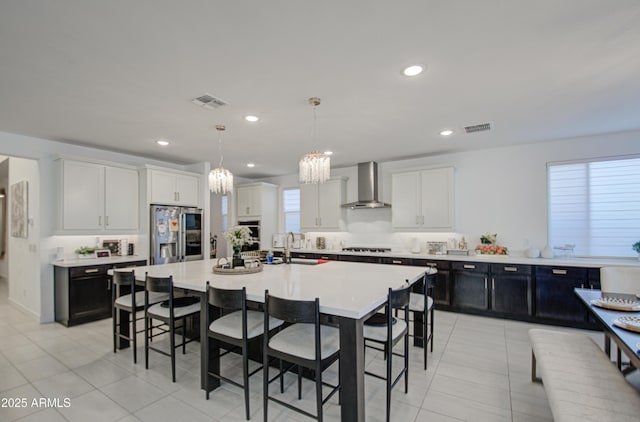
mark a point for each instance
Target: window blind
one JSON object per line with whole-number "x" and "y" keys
{"x": 595, "y": 206}
{"x": 291, "y": 210}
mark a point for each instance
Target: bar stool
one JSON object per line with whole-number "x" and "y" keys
{"x": 305, "y": 344}
{"x": 124, "y": 303}
{"x": 423, "y": 313}
{"x": 168, "y": 312}
{"x": 387, "y": 332}
{"x": 236, "y": 329}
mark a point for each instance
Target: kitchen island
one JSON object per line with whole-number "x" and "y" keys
{"x": 348, "y": 292}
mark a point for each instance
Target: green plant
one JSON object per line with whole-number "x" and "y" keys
{"x": 636, "y": 246}
{"x": 87, "y": 250}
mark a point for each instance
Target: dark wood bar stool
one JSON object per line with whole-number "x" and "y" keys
{"x": 305, "y": 343}
{"x": 132, "y": 303}
{"x": 236, "y": 329}
{"x": 168, "y": 312}
{"x": 421, "y": 306}
{"x": 387, "y": 331}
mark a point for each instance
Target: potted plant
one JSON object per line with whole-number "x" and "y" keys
{"x": 238, "y": 236}
{"x": 636, "y": 247}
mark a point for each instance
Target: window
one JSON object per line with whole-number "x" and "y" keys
{"x": 595, "y": 206}
{"x": 225, "y": 212}
{"x": 291, "y": 209}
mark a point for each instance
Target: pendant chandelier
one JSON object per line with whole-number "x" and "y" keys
{"x": 315, "y": 166}
{"x": 220, "y": 179}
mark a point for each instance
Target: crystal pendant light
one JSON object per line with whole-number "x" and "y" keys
{"x": 220, "y": 179}
{"x": 315, "y": 166}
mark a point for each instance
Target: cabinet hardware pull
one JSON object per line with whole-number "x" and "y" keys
{"x": 582, "y": 285}
{"x": 248, "y": 210}
{"x": 106, "y": 220}
{"x": 324, "y": 257}
{"x": 469, "y": 266}
{"x": 396, "y": 261}
{"x": 417, "y": 219}
{"x": 92, "y": 270}
{"x": 302, "y": 256}
{"x": 178, "y": 194}
{"x": 485, "y": 283}
{"x": 559, "y": 272}
{"x": 100, "y": 220}
{"x": 493, "y": 283}
{"x": 320, "y": 221}
{"x": 432, "y": 264}
{"x": 511, "y": 269}
{"x": 423, "y": 220}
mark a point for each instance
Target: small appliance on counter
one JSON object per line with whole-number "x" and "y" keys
{"x": 437, "y": 248}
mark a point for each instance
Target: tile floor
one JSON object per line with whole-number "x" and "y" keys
{"x": 479, "y": 371}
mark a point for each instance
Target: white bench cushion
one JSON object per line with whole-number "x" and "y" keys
{"x": 178, "y": 312}
{"x": 580, "y": 381}
{"x": 230, "y": 325}
{"x": 299, "y": 340}
{"x": 154, "y": 297}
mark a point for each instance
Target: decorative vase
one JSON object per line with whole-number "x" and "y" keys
{"x": 237, "y": 260}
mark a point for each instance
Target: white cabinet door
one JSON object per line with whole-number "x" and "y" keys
{"x": 121, "y": 199}
{"x": 187, "y": 188}
{"x": 308, "y": 207}
{"x": 249, "y": 201}
{"x": 330, "y": 198}
{"x": 437, "y": 198}
{"x": 174, "y": 189}
{"x": 83, "y": 196}
{"x": 405, "y": 202}
{"x": 163, "y": 188}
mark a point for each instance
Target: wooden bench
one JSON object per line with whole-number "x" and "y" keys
{"x": 580, "y": 381}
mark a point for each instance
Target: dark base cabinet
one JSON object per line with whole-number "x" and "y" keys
{"x": 470, "y": 285}
{"x": 442, "y": 288}
{"x": 511, "y": 289}
{"x": 83, "y": 294}
{"x": 555, "y": 298}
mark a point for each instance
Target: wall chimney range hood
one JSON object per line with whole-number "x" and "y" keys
{"x": 367, "y": 188}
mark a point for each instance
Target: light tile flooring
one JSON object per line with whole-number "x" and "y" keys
{"x": 479, "y": 371}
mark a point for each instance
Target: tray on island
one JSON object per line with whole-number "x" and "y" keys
{"x": 223, "y": 268}
{"x": 617, "y": 304}
{"x": 631, "y": 323}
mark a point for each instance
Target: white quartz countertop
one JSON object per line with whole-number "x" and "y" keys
{"x": 497, "y": 259}
{"x": 347, "y": 289}
{"x": 75, "y": 262}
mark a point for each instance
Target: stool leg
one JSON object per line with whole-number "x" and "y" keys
{"x": 172, "y": 339}
{"x": 135, "y": 335}
{"x": 146, "y": 342}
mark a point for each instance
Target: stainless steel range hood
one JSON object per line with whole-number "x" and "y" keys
{"x": 367, "y": 188}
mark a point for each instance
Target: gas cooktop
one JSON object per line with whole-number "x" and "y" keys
{"x": 365, "y": 249}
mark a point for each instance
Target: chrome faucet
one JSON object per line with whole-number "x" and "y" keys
{"x": 287, "y": 248}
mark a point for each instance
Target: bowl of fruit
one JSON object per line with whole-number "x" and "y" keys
{"x": 491, "y": 250}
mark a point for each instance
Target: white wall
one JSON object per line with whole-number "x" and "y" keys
{"x": 4, "y": 184}
{"x": 38, "y": 298}
{"x": 498, "y": 190}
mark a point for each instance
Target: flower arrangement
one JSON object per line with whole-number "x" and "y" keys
{"x": 238, "y": 236}
{"x": 488, "y": 239}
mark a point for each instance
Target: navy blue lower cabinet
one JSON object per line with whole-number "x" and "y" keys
{"x": 511, "y": 289}
{"x": 555, "y": 298}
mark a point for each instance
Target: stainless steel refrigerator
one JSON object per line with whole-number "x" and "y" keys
{"x": 176, "y": 234}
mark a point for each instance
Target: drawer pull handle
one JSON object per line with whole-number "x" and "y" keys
{"x": 432, "y": 264}
{"x": 469, "y": 266}
{"x": 92, "y": 270}
{"x": 324, "y": 257}
{"x": 511, "y": 269}
{"x": 396, "y": 261}
{"x": 559, "y": 272}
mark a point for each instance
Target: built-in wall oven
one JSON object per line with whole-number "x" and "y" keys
{"x": 254, "y": 227}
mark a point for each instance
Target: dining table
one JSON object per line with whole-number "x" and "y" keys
{"x": 348, "y": 292}
{"x": 627, "y": 340}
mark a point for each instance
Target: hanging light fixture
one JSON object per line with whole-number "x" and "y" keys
{"x": 315, "y": 166}
{"x": 220, "y": 179}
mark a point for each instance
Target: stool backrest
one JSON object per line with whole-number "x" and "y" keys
{"x": 124, "y": 278}
{"x": 158, "y": 284}
{"x": 399, "y": 298}
{"x": 295, "y": 311}
{"x": 226, "y": 298}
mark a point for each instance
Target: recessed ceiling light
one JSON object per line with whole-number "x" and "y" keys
{"x": 162, "y": 142}
{"x": 251, "y": 119}
{"x": 414, "y": 70}
{"x": 328, "y": 152}
{"x": 251, "y": 165}
{"x": 446, "y": 132}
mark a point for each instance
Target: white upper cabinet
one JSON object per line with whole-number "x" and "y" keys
{"x": 320, "y": 205}
{"x": 96, "y": 197}
{"x": 173, "y": 188}
{"x": 423, "y": 199}
{"x": 249, "y": 200}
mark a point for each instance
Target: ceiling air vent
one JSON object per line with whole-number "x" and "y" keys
{"x": 477, "y": 128}
{"x": 209, "y": 101}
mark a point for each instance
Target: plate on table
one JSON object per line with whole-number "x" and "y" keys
{"x": 631, "y": 323}
{"x": 617, "y": 304}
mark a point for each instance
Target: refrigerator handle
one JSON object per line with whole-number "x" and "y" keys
{"x": 183, "y": 238}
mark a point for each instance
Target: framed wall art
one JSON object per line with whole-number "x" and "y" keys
{"x": 19, "y": 209}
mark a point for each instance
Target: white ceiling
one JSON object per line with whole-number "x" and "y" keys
{"x": 120, "y": 74}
